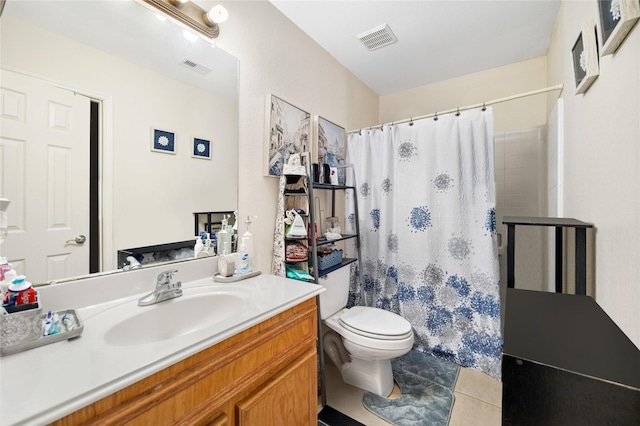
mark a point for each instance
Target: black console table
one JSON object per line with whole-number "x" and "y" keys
{"x": 558, "y": 223}
{"x": 565, "y": 362}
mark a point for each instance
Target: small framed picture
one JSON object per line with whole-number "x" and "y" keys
{"x": 201, "y": 148}
{"x": 585, "y": 57}
{"x": 617, "y": 17}
{"x": 163, "y": 141}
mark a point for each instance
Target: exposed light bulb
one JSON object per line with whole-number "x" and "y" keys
{"x": 189, "y": 35}
{"x": 216, "y": 15}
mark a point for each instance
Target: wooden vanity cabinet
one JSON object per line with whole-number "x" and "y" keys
{"x": 266, "y": 375}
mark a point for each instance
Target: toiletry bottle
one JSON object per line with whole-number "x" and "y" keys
{"x": 224, "y": 238}
{"x": 198, "y": 247}
{"x": 9, "y": 276}
{"x": 247, "y": 240}
{"x": 207, "y": 242}
{"x": 243, "y": 258}
{"x": 4, "y": 267}
{"x": 51, "y": 324}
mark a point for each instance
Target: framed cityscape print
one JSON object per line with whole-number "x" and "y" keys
{"x": 201, "y": 148}
{"x": 288, "y": 132}
{"x": 617, "y": 17}
{"x": 330, "y": 145}
{"x": 163, "y": 141}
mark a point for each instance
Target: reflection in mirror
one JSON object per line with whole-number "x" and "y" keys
{"x": 206, "y": 227}
{"x": 84, "y": 86}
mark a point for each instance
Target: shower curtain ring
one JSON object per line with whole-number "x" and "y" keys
{"x": 458, "y": 112}
{"x": 411, "y": 121}
{"x": 484, "y": 107}
{"x": 435, "y": 117}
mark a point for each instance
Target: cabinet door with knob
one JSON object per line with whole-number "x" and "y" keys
{"x": 288, "y": 398}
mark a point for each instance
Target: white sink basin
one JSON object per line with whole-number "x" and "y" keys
{"x": 175, "y": 317}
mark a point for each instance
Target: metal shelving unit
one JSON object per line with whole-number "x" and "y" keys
{"x": 317, "y": 273}
{"x": 327, "y": 415}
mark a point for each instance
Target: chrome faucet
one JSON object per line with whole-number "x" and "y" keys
{"x": 165, "y": 290}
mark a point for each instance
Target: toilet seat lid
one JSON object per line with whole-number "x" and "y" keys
{"x": 376, "y": 323}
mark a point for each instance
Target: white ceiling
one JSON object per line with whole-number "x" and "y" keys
{"x": 437, "y": 40}
{"x": 132, "y": 32}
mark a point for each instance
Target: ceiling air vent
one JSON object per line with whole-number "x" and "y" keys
{"x": 377, "y": 37}
{"x": 200, "y": 69}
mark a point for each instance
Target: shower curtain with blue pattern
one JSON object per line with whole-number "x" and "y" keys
{"x": 426, "y": 204}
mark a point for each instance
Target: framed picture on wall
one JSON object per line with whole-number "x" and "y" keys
{"x": 201, "y": 148}
{"x": 585, "y": 57}
{"x": 617, "y": 17}
{"x": 163, "y": 141}
{"x": 330, "y": 141}
{"x": 288, "y": 132}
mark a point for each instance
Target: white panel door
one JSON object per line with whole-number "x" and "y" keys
{"x": 44, "y": 153}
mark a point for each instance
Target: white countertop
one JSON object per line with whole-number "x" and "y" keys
{"x": 44, "y": 384}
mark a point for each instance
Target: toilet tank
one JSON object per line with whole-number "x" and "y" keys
{"x": 337, "y": 294}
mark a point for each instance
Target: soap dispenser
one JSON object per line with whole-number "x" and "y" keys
{"x": 207, "y": 242}
{"x": 198, "y": 247}
{"x": 243, "y": 263}
{"x": 224, "y": 237}
{"x": 247, "y": 240}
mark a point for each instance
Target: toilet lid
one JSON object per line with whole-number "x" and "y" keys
{"x": 375, "y": 323}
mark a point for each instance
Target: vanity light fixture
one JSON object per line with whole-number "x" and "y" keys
{"x": 216, "y": 15}
{"x": 193, "y": 16}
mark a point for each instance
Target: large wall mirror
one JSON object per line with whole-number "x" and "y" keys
{"x": 84, "y": 85}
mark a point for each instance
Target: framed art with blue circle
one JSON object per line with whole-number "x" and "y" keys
{"x": 201, "y": 148}
{"x": 163, "y": 141}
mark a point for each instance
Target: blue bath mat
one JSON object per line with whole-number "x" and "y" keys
{"x": 426, "y": 384}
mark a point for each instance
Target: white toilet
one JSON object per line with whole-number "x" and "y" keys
{"x": 361, "y": 341}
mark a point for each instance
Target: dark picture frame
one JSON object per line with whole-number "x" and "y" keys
{"x": 163, "y": 141}
{"x": 585, "y": 57}
{"x": 617, "y": 18}
{"x": 201, "y": 148}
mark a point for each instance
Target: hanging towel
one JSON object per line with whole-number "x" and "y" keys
{"x": 277, "y": 263}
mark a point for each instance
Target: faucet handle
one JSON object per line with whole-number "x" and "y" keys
{"x": 165, "y": 277}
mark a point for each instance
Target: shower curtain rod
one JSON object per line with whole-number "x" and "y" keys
{"x": 484, "y": 104}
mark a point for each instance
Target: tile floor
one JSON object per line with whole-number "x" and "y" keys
{"x": 478, "y": 398}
